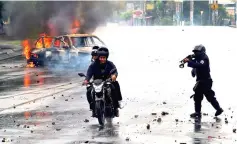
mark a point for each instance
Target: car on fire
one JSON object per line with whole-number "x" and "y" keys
{"x": 73, "y": 48}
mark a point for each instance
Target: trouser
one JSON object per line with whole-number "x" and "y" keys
{"x": 89, "y": 97}
{"x": 117, "y": 90}
{"x": 201, "y": 88}
{"x": 116, "y": 95}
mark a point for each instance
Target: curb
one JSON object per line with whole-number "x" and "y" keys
{"x": 233, "y": 26}
{"x": 9, "y": 51}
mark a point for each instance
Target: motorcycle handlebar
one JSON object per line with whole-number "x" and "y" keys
{"x": 107, "y": 80}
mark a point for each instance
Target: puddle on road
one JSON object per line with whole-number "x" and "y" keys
{"x": 24, "y": 119}
{"x": 36, "y": 77}
{"x": 13, "y": 78}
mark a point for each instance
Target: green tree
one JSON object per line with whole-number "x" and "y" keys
{"x": 2, "y": 9}
{"x": 126, "y": 15}
{"x": 207, "y": 12}
{"x": 222, "y": 14}
{"x": 164, "y": 12}
{"x": 198, "y": 17}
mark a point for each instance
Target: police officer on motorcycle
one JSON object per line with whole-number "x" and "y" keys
{"x": 201, "y": 70}
{"x": 100, "y": 69}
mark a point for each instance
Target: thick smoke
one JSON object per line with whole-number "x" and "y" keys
{"x": 55, "y": 17}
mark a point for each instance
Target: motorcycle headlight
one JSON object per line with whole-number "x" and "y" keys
{"x": 99, "y": 95}
{"x": 98, "y": 88}
{"x": 48, "y": 53}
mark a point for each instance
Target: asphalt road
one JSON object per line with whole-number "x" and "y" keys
{"x": 48, "y": 105}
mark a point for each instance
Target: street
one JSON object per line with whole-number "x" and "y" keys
{"x": 48, "y": 105}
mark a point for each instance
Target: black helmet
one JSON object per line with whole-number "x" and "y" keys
{"x": 94, "y": 50}
{"x": 199, "y": 48}
{"x": 103, "y": 51}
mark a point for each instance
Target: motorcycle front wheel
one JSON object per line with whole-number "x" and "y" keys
{"x": 99, "y": 105}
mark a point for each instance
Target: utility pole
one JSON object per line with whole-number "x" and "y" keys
{"x": 201, "y": 16}
{"x": 182, "y": 13}
{"x": 214, "y": 12}
{"x": 191, "y": 11}
{"x": 209, "y": 14}
{"x": 236, "y": 13}
{"x": 177, "y": 3}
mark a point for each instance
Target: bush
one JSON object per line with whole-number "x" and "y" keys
{"x": 166, "y": 21}
{"x": 126, "y": 15}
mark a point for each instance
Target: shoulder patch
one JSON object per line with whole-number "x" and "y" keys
{"x": 202, "y": 61}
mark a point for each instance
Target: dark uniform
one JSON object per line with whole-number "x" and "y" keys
{"x": 203, "y": 86}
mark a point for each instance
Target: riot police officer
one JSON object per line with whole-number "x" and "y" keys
{"x": 203, "y": 86}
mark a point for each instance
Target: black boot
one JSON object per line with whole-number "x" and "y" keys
{"x": 197, "y": 107}
{"x": 216, "y": 105}
{"x": 93, "y": 114}
{"x": 195, "y": 115}
{"x": 92, "y": 108}
{"x": 219, "y": 112}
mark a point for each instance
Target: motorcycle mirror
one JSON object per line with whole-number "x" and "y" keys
{"x": 81, "y": 74}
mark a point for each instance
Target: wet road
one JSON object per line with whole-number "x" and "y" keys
{"x": 46, "y": 105}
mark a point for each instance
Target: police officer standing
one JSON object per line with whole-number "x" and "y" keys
{"x": 201, "y": 70}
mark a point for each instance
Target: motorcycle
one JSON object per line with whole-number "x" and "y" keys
{"x": 101, "y": 93}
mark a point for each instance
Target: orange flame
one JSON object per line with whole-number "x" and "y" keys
{"x": 37, "y": 115}
{"x": 27, "y": 80}
{"x": 46, "y": 40}
{"x": 76, "y": 23}
{"x": 75, "y": 26}
{"x": 26, "y": 48}
{"x": 27, "y": 115}
{"x": 56, "y": 43}
{"x": 30, "y": 65}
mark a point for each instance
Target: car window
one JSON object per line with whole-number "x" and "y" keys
{"x": 48, "y": 42}
{"x": 79, "y": 41}
{"x": 89, "y": 41}
{"x": 97, "y": 41}
{"x": 66, "y": 40}
{"x": 56, "y": 43}
{"x": 39, "y": 43}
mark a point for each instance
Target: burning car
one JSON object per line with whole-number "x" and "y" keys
{"x": 74, "y": 49}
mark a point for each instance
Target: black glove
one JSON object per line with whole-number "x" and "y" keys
{"x": 190, "y": 56}
{"x": 193, "y": 72}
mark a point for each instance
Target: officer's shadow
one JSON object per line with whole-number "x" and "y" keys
{"x": 197, "y": 129}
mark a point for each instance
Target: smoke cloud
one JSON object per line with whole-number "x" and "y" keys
{"x": 29, "y": 18}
